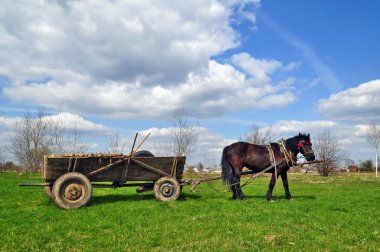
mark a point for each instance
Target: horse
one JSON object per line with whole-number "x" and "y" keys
{"x": 259, "y": 157}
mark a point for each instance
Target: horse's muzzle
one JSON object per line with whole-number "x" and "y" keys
{"x": 309, "y": 156}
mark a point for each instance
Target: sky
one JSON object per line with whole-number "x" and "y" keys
{"x": 127, "y": 66}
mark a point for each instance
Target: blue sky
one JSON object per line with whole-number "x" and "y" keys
{"x": 125, "y": 66}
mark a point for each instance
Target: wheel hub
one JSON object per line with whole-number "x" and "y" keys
{"x": 73, "y": 192}
{"x": 167, "y": 190}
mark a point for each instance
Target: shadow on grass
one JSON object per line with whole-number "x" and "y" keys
{"x": 264, "y": 197}
{"x": 187, "y": 196}
{"x": 104, "y": 199}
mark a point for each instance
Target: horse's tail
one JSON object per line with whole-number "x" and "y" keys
{"x": 226, "y": 167}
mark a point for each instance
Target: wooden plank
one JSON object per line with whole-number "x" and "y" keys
{"x": 57, "y": 166}
{"x": 105, "y": 168}
{"x": 126, "y": 166}
{"x": 150, "y": 168}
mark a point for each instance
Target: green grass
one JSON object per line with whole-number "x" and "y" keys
{"x": 338, "y": 213}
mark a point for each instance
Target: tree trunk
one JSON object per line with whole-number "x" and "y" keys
{"x": 376, "y": 162}
{"x": 325, "y": 171}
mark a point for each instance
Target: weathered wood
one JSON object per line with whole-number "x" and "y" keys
{"x": 35, "y": 184}
{"x": 111, "y": 167}
{"x": 126, "y": 166}
{"x": 149, "y": 168}
{"x": 105, "y": 168}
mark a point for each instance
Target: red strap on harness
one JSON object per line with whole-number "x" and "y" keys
{"x": 299, "y": 145}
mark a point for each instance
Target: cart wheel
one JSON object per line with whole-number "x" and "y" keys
{"x": 72, "y": 190}
{"x": 48, "y": 191}
{"x": 166, "y": 189}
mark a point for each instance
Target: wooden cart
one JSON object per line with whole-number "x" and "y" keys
{"x": 69, "y": 179}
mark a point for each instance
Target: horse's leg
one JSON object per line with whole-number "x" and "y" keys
{"x": 271, "y": 186}
{"x": 237, "y": 176}
{"x": 239, "y": 191}
{"x": 233, "y": 187}
{"x": 237, "y": 167}
{"x": 284, "y": 177}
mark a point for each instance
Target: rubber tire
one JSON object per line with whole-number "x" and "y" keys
{"x": 48, "y": 191}
{"x": 79, "y": 182}
{"x": 143, "y": 153}
{"x": 168, "y": 184}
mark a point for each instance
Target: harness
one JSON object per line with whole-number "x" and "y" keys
{"x": 273, "y": 162}
{"x": 289, "y": 157}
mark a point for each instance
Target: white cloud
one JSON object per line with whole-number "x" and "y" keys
{"x": 358, "y": 104}
{"x": 118, "y": 40}
{"x": 8, "y": 122}
{"x": 68, "y": 121}
{"x": 260, "y": 69}
{"x": 219, "y": 89}
{"x": 131, "y": 59}
{"x": 291, "y": 66}
{"x": 292, "y": 127}
{"x": 71, "y": 122}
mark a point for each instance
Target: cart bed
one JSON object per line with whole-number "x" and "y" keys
{"x": 57, "y": 165}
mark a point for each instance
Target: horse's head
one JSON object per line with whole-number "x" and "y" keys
{"x": 305, "y": 147}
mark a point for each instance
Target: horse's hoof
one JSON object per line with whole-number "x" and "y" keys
{"x": 240, "y": 196}
{"x": 270, "y": 201}
{"x": 290, "y": 199}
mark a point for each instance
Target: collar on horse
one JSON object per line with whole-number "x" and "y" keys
{"x": 289, "y": 157}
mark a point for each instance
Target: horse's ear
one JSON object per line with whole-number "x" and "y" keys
{"x": 299, "y": 135}
{"x": 308, "y": 135}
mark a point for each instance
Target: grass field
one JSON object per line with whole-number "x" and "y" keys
{"x": 328, "y": 213}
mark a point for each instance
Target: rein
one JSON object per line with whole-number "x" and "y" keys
{"x": 250, "y": 180}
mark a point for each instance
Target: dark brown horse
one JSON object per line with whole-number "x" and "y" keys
{"x": 257, "y": 158}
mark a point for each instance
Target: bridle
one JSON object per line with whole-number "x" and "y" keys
{"x": 301, "y": 145}
{"x": 289, "y": 157}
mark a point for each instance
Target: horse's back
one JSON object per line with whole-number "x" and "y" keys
{"x": 252, "y": 156}
{"x": 244, "y": 147}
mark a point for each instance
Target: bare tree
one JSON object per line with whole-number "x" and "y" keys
{"x": 29, "y": 143}
{"x": 373, "y": 136}
{"x": 257, "y": 135}
{"x": 162, "y": 147}
{"x": 349, "y": 162}
{"x": 74, "y": 142}
{"x": 326, "y": 147}
{"x": 3, "y": 156}
{"x": 184, "y": 133}
{"x": 56, "y": 138}
{"x": 114, "y": 143}
{"x": 37, "y": 135}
